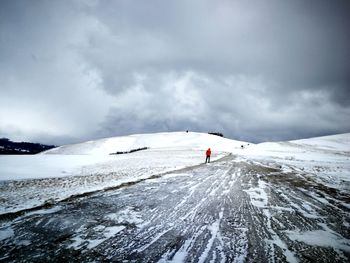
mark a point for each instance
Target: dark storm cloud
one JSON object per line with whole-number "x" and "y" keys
{"x": 253, "y": 70}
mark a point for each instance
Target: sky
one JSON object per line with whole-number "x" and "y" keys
{"x": 253, "y": 70}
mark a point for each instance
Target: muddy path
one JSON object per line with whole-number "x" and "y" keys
{"x": 228, "y": 211}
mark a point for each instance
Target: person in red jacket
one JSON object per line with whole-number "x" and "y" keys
{"x": 208, "y": 153}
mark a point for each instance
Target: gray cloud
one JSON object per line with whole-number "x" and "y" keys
{"x": 73, "y": 70}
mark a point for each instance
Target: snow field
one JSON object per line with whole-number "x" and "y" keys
{"x": 327, "y": 159}
{"x": 171, "y": 140}
{"x": 83, "y": 174}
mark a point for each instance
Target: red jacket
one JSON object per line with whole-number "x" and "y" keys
{"x": 208, "y": 152}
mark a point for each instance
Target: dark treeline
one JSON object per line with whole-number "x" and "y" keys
{"x": 216, "y": 133}
{"x": 131, "y": 151}
{"x": 10, "y": 147}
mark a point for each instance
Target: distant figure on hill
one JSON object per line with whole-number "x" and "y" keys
{"x": 208, "y": 153}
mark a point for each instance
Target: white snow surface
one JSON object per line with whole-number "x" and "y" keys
{"x": 179, "y": 140}
{"x": 324, "y": 238}
{"x": 326, "y": 158}
{"x": 28, "y": 181}
{"x": 94, "y": 156}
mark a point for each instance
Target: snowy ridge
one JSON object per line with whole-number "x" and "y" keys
{"x": 339, "y": 142}
{"x": 179, "y": 140}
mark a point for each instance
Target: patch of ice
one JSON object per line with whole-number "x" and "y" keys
{"x": 45, "y": 211}
{"x": 345, "y": 204}
{"x": 77, "y": 242}
{"x": 155, "y": 239}
{"x": 321, "y": 238}
{"x": 214, "y": 230}
{"x": 258, "y": 196}
{"x": 127, "y": 215}
{"x": 23, "y": 242}
{"x": 107, "y": 232}
{"x": 280, "y": 208}
{"x": 6, "y": 232}
{"x": 290, "y": 256}
{"x": 182, "y": 253}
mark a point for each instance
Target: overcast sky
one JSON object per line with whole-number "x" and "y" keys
{"x": 254, "y": 70}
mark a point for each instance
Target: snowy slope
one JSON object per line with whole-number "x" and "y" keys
{"x": 183, "y": 140}
{"x": 306, "y": 149}
{"x": 327, "y": 158}
{"x": 339, "y": 142}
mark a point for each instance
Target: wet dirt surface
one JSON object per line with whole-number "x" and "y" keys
{"x": 226, "y": 211}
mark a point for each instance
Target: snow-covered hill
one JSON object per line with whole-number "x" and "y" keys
{"x": 317, "y": 147}
{"x": 326, "y": 158}
{"x": 28, "y": 181}
{"x": 169, "y": 140}
{"x": 338, "y": 143}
